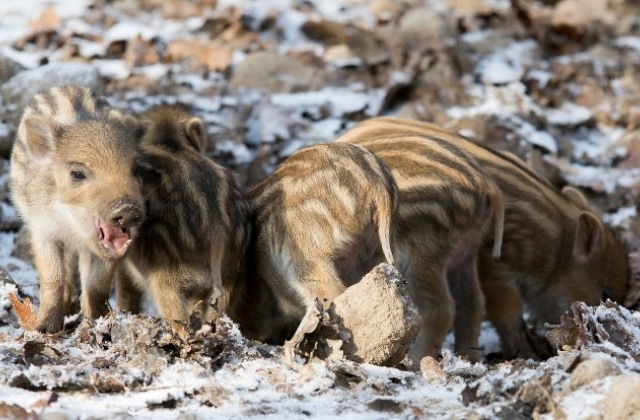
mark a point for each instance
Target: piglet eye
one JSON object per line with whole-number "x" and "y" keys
{"x": 77, "y": 175}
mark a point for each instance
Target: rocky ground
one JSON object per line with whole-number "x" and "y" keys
{"x": 556, "y": 82}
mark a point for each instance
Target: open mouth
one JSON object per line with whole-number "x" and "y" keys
{"x": 115, "y": 239}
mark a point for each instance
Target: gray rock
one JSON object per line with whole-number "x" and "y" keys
{"x": 8, "y": 68}
{"x": 18, "y": 91}
{"x": 367, "y": 46}
{"x": 272, "y": 72}
{"x": 424, "y": 27}
{"x": 5, "y": 277}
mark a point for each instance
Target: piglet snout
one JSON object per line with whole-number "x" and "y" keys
{"x": 125, "y": 213}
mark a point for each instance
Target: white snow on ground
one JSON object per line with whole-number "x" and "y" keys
{"x": 568, "y": 114}
{"x": 22, "y": 272}
{"x": 16, "y": 15}
{"x": 632, "y": 42}
{"x": 507, "y": 65}
{"x": 620, "y": 217}
{"x": 604, "y": 180}
{"x": 599, "y": 146}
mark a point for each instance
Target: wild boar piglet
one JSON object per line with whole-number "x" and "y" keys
{"x": 555, "y": 250}
{"x": 191, "y": 246}
{"x": 448, "y": 209}
{"x": 73, "y": 181}
{"x": 322, "y": 220}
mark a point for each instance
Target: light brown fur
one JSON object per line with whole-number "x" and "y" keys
{"x": 447, "y": 206}
{"x": 555, "y": 251}
{"x": 191, "y": 248}
{"x": 322, "y": 220}
{"x": 72, "y": 181}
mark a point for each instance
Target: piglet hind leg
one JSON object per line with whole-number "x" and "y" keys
{"x": 431, "y": 295}
{"x": 469, "y": 304}
{"x": 96, "y": 276}
{"x": 307, "y": 325}
{"x": 505, "y": 310}
{"x": 128, "y": 295}
{"x": 168, "y": 296}
{"x": 321, "y": 287}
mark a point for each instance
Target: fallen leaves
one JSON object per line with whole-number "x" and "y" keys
{"x": 13, "y": 411}
{"x": 140, "y": 52}
{"x": 569, "y": 25}
{"x": 199, "y": 54}
{"x": 48, "y": 21}
{"x": 27, "y": 315}
{"x": 608, "y": 327}
{"x": 430, "y": 369}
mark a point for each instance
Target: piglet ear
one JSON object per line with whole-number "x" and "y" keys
{"x": 135, "y": 126}
{"x": 589, "y": 235}
{"x": 38, "y": 135}
{"x": 575, "y": 196}
{"x": 196, "y": 134}
{"x": 147, "y": 169}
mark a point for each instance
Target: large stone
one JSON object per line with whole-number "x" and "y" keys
{"x": 8, "y": 68}
{"x": 18, "y": 91}
{"x": 591, "y": 370}
{"x": 380, "y": 316}
{"x": 622, "y": 402}
{"x": 272, "y": 72}
{"x": 384, "y": 9}
{"x": 424, "y": 27}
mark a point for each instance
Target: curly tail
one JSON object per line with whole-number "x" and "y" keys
{"x": 385, "y": 211}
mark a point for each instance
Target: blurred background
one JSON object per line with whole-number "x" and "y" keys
{"x": 554, "y": 81}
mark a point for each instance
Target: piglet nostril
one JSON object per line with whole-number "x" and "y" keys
{"x": 118, "y": 219}
{"x": 125, "y": 214}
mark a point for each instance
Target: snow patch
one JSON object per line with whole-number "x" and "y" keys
{"x": 568, "y": 114}
{"x": 632, "y": 42}
{"x": 603, "y": 180}
{"x": 621, "y": 216}
{"x": 497, "y": 100}
{"x": 507, "y": 65}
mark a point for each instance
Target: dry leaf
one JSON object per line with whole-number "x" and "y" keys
{"x": 140, "y": 53}
{"x": 213, "y": 56}
{"x": 180, "y": 330}
{"x": 325, "y": 32}
{"x": 27, "y": 316}
{"x": 576, "y": 15}
{"x": 40, "y": 404}
{"x": 430, "y": 369}
{"x": 48, "y": 20}
{"x": 13, "y": 411}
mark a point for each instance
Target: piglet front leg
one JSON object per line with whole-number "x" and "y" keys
{"x": 96, "y": 276}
